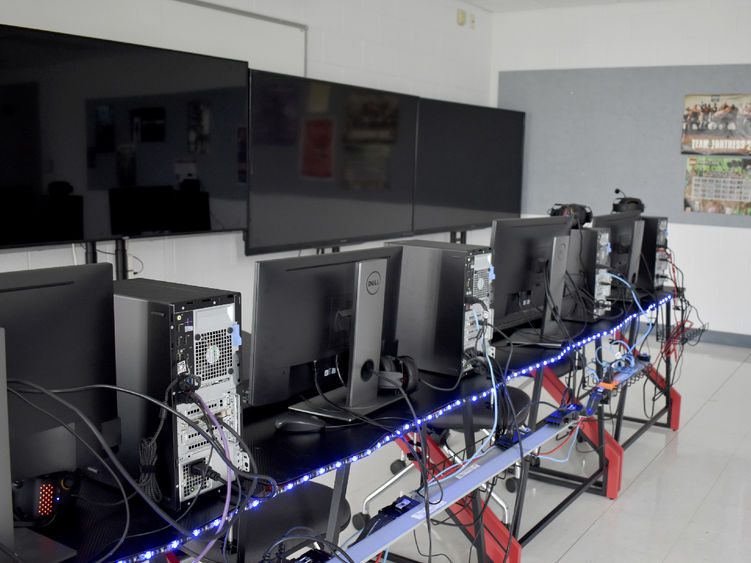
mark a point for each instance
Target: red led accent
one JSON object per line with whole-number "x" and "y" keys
{"x": 46, "y": 494}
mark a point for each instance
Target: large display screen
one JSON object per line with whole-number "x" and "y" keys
{"x": 101, "y": 140}
{"x": 330, "y": 163}
{"x": 469, "y": 166}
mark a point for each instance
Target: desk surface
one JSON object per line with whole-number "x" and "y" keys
{"x": 287, "y": 457}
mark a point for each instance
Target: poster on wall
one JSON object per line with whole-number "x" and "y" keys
{"x": 716, "y": 124}
{"x": 716, "y": 184}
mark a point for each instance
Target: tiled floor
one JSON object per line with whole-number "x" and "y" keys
{"x": 685, "y": 495}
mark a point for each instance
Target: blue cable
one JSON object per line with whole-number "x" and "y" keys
{"x": 348, "y": 540}
{"x": 641, "y": 309}
{"x": 479, "y": 453}
{"x": 570, "y": 449}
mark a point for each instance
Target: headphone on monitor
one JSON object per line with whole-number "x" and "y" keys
{"x": 396, "y": 372}
{"x": 582, "y": 214}
{"x": 625, "y": 203}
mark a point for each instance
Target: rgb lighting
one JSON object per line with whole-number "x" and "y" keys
{"x": 397, "y": 434}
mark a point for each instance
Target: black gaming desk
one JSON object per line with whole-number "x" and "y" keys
{"x": 293, "y": 459}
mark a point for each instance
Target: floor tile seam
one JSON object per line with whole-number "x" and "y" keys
{"x": 671, "y": 437}
{"x": 698, "y": 508}
{"x": 651, "y": 461}
{"x": 709, "y": 489}
{"x": 661, "y": 452}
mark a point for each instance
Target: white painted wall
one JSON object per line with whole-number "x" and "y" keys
{"x": 410, "y": 46}
{"x": 667, "y": 33}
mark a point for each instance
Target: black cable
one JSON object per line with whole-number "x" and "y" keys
{"x": 99, "y": 458}
{"x": 217, "y": 447}
{"x": 414, "y": 536}
{"x": 420, "y": 459}
{"x": 209, "y": 425}
{"x": 148, "y": 455}
{"x": 465, "y": 507}
{"x": 183, "y": 514}
{"x": 104, "y": 504}
{"x": 515, "y": 426}
{"x": 373, "y": 422}
{"x": 135, "y": 273}
{"x": 452, "y": 388}
{"x": 156, "y": 508}
{"x": 236, "y": 512}
{"x": 337, "y": 551}
{"x": 423, "y": 469}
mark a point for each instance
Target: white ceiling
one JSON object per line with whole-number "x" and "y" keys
{"x": 525, "y": 5}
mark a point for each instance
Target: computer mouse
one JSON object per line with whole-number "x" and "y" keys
{"x": 298, "y": 422}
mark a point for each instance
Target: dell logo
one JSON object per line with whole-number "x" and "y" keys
{"x": 373, "y": 282}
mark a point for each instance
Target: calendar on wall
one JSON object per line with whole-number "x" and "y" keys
{"x": 718, "y": 185}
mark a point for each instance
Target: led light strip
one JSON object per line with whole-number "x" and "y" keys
{"x": 400, "y": 432}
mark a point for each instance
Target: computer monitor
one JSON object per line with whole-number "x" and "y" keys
{"x": 327, "y": 319}
{"x": 59, "y": 332}
{"x": 529, "y": 258}
{"x": 626, "y": 233}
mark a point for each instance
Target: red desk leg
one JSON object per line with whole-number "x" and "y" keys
{"x": 613, "y": 450}
{"x": 496, "y": 533}
{"x": 675, "y": 397}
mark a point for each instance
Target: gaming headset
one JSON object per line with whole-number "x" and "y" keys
{"x": 399, "y": 371}
{"x": 582, "y": 214}
{"x": 625, "y": 203}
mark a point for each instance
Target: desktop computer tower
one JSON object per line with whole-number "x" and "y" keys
{"x": 653, "y": 268}
{"x": 169, "y": 336}
{"x": 445, "y": 311}
{"x": 587, "y": 289}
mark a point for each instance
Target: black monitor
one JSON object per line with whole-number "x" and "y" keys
{"x": 314, "y": 317}
{"x": 468, "y": 167}
{"x": 529, "y": 259}
{"x": 59, "y": 332}
{"x": 102, "y": 139}
{"x": 626, "y": 233}
{"x": 334, "y": 161}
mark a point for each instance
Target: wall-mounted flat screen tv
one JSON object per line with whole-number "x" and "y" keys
{"x": 102, "y": 140}
{"x": 469, "y": 166}
{"x": 330, "y": 164}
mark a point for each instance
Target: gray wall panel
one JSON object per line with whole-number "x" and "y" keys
{"x": 589, "y": 131}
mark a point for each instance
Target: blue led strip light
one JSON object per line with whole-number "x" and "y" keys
{"x": 410, "y": 426}
{"x": 400, "y": 432}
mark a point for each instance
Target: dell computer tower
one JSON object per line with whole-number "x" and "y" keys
{"x": 445, "y": 304}
{"x": 654, "y": 257}
{"x": 587, "y": 288}
{"x": 169, "y": 339}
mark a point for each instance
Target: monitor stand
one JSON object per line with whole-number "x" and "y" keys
{"x": 26, "y": 544}
{"x": 551, "y": 335}
{"x": 361, "y": 394}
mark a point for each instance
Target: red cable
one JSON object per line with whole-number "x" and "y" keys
{"x": 379, "y": 557}
{"x": 559, "y": 446}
